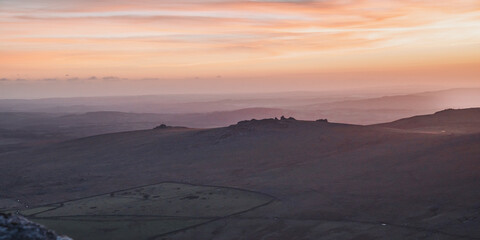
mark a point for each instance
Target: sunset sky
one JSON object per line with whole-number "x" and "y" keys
{"x": 232, "y": 45}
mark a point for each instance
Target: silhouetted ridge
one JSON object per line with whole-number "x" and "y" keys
{"x": 448, "y": 120}
{"x": 164, "y": 126}
{"x": 445, "y": 111}
{"x": 459, "y": 111}
{"x": 322, "y": 120}
{"x": 282, "y": 122}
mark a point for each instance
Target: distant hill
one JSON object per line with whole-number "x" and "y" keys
{"x": 69, "y": 118}
{"x": 390, "y": 108}
{"x": 195, "y": 120}
{"x": 347, "y": 108}
{"x": 21, "y": 130}
{"x": 453, "y": 98}
{"x": 167, "y": 104}
{"x": 446, "y": 121}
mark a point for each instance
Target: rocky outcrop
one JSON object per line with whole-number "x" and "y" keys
{"x": 15, "y": 227}
{"x": 161, "y": 126}
{"x": 164, "y": 126}
{"x": 267, "y": 123}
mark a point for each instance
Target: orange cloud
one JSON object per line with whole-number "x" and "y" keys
{"x": 48, "y": 38}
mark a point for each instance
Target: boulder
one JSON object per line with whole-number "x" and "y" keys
{"x": 15, "y": 227}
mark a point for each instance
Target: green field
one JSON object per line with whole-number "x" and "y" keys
{"x": 147, "y": 212}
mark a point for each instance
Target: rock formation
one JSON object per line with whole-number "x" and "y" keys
{"x": 15, "y": 227}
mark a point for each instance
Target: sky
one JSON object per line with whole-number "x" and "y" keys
{"x": 112, "y": 47}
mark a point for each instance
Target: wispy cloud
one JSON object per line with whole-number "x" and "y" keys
{"x": 160, "y": 36}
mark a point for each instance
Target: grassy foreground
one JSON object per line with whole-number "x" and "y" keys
{"x": 147, "y": 212}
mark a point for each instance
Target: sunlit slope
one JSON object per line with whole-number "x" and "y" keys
{"x": 447, "y": 121}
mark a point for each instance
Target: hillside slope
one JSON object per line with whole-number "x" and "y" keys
{"x": 446, "y": 121}
{"x": 330, "y": 180}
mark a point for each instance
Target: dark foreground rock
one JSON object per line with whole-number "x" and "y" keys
{"x": 14, "y": 227}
